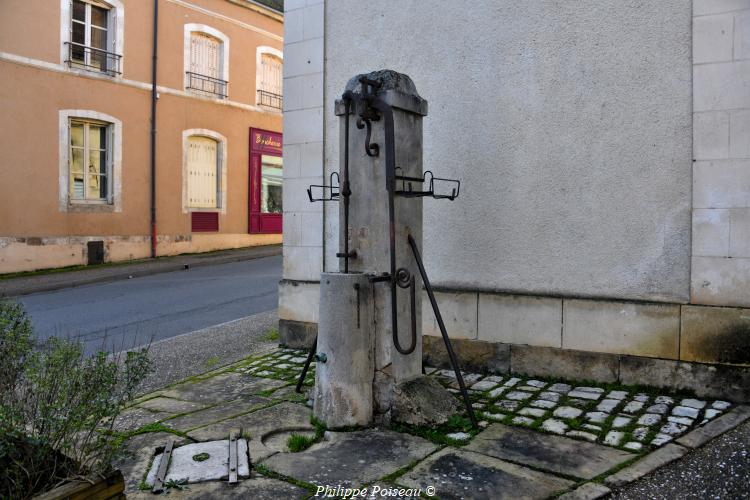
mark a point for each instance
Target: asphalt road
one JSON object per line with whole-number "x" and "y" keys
{"x": 128, "y": 313}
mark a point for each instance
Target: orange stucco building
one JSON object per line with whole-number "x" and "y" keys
{"x": 80, "y": 154}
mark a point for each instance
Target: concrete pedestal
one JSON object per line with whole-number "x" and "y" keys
{"x": 345, "y": 350}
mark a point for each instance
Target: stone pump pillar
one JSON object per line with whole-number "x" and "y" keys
{"x": 369, "y": 344}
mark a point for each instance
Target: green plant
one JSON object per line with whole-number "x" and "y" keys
{"x": 271, "y": 335}
{"x": 58, "y": 407}
{"x": 201, "y": 457}
{"x": 299, "y": 442}
{"x": 175, "y": 484}
{"x": 212, "y": 361}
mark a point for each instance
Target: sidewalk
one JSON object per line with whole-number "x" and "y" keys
{"x": 538, "y": 438}
{"x": 53, "y": 280}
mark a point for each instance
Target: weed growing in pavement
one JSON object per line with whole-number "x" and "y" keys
{"x": 271, "y": 335}
{"x": 299, "y": 442}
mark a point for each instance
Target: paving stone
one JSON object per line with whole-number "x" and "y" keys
{"x": 285, "y": 356}
{"x": 649, "y": 419}
{"x": 456, "y": 473}
{"x": 673, "y": 428}
{"x": 660, "y": 408}
{"x": 608, "y": 405}
{"x": 508, "y": 405}
{"x": 518, "y": 395}
{"x": 494, "y": 378}
{"x": 351, "y": 459}
{"x": 587, "y": 491}
{"x": 264, "y": 373}
{"x": 543, "y": 403}
{"x": 222, "y": 388}
{"x": 138, "y": 453}
{"x": 613, "y": 438}
{"x": 711, "y": 413}
{"x": 701, "y": 435}
{"x": 660, "y": 439}
{"x": 592, "y": 427}
{"x": 550, "y": 396}
{"x": 721, "y": 405}
{"x": 135, "y": 418}
{"x": 580, "y": 403}
{"x": 511, "y": 382}
{"x": 215, "y": 467}
{"x": 567, "y": 412}
{"x": 633, "y": 407}
{"x": 556, "y": 426}
{"x": 664, "y": 400}
{"x": 284, "y": 417}
{"x": 584, "y": 394}
{"x": 478, "y": 406}
{"x": 170, "y": 405}
{"x": 557, "y": 454}
{"x": 598, "y": 417}
{"x": 581, "y": 434}
{"x": 536, "y": 383}
{"x": 597, "y": 390}
{"x": 522, "y": 420}
{"x": 215, "y": 413}
{"x": 458, "y": 436}
{"x": 484, "y": 385}
{"x": 283, "y": 366}
{"x": 532, "y": 412}
{"x": 620, "y": 395}
{"x": 494, "y": 393}
{"x": 257, "y": 487}
{"x": 633, "y": 445}
{"x": 559, "y": 387}
{"x": 300, "y": 359}
{"x": 528, "y": 388}
{"x": 495, "y": 416}
{"x": 620, "y": 422}
{"x": 693, "y": 403}
{"x": 685, "y": 411}
{"x": 640, "y": 397}
{"x": 680, "y": 420}
{"x": 646, "y": 465}
{"x": 640, "y": 433}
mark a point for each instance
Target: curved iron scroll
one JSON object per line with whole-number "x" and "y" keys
{"x": 373, "y": 149}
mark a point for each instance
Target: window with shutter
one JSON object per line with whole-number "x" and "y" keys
{"x": 205, "y": 73}
{"x": 270, "y": 83}
{"x": 90, "y": 157}
{"x": 202, "y": 171}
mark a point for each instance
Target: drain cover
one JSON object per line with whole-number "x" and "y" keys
{"x": 215, "y": 465}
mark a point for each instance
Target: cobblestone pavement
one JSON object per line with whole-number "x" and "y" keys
{"x": 537, "y": 438}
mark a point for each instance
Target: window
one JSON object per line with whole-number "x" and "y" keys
{"x": 91, "y": 42}
{"x": 206, "y": 61}
{"x": 270, "y": 184}
{"x": 269, "y": 77}
{"x": 90, "y": 161}
{"x": 266, "y": 175}
{"x": 203, "y": 172}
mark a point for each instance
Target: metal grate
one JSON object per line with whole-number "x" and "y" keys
{"x": 207, "y": 84}
{"x": 92, "y": 59}
{"x": 270, "y": 99}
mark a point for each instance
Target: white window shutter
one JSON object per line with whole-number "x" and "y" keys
{"x": 202, "y": 172}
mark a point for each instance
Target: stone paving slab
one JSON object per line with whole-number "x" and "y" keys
{"x": 215, "y": 413}
{"x": 703, "y": 434}
{"x": 647, "y": 464}
{"x": 170, "y": 405}
{"x": 256, "y": 425}
{"x": 140, "y": 450}
{"x": 588, "y": 491}
{"x": 351, "y": 459}
{"x": 557, "y": 454}
{"x": 465, "y": 474}
{"x": 134, "y": 418}
{"x": 222, "y": 387}
{"x": 215, "y": 466}
{"x": 256, "y": 488}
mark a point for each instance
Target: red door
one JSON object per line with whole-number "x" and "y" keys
{"x": 266, "y": 167}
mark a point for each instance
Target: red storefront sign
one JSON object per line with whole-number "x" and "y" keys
{"x": 265, "y": 210}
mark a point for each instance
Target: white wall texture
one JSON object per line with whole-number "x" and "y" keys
{"x": 568, "y": 123}
{"x": 721, "y": 148}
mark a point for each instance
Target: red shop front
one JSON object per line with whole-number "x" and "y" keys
{"x": 266, "y": 167}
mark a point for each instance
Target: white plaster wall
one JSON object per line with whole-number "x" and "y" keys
{"x": 568, "y": 123}
{"x": 721, "y": 148}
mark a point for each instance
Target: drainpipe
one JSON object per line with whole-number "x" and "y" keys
{"x": 154, "y": 96}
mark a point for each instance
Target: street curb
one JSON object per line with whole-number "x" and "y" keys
{"x": 587, "y": 491}
{"x": 7, "y": 290}
{"x": 646, "y": 465}
{"x": 715, "y": 428}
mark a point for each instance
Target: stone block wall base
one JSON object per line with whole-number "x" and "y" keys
{"x": 706, "y": 380}
{"x": 297, "y": 334}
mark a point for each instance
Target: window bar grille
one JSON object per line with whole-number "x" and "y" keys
{"x": 269, "y": 99}
{"x": 207, "y": 84}
{"x": 93, "y": 59}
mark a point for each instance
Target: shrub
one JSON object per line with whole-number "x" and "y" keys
{"x": 58, "y": 406}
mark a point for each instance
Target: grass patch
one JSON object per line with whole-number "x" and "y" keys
{"x": 212, "y": 361}
{"x": 271, "y": 335}
{"x": 155, "y": 427}
{"x": 299, "y": 442}
{"x": 439, "y": 434}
